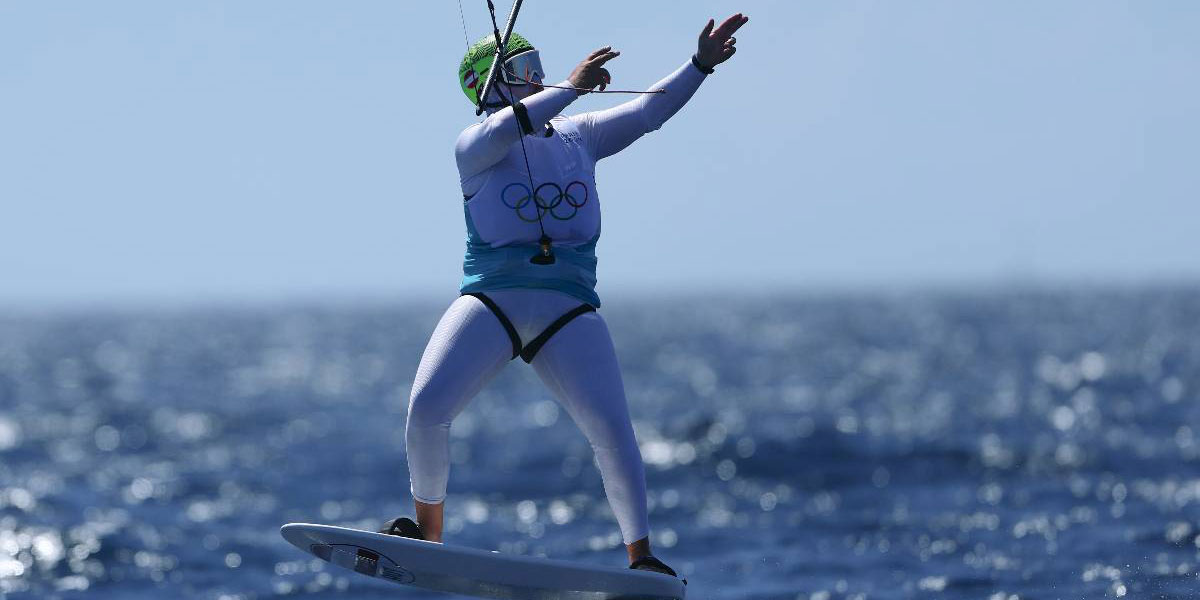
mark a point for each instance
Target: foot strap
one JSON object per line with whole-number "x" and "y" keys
{"x": 650, "y": 563}
{"x": 403, "y": 527}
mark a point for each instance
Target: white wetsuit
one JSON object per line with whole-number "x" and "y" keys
{"x": 577, "y": 363}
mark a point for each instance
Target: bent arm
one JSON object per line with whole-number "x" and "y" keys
{"x": 611, "y": 130}
{"x": 483, "y": 145}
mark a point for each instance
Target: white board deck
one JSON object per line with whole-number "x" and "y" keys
{"x": 475, "y": 572}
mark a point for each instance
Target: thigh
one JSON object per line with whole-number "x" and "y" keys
{"x": 466, "y": 349}
{"x": 579, "y": 365}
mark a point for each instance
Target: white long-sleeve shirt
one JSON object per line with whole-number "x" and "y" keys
{"x": 501, "y": 214}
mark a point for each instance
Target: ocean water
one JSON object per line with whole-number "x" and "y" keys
{"x": 1038, "y": 444}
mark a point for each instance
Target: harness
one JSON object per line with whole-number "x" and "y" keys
{"x": 528, "y": 351}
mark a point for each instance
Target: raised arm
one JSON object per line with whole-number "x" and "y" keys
{"x": 609, "y": 131}
{"x": 483, "y": 145}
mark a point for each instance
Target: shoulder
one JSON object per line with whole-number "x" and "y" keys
{"x": 575, "y": 123}
{"x": 467, "y": 136}
{"x": 577, "y": 120}
{"x": 470, "y": 131}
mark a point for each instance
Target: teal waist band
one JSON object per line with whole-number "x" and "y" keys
{"x": 508, "y": 267}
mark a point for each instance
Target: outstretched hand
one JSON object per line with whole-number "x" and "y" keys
{"x": 716, "y": 46}
{"x": 591, "y": 72}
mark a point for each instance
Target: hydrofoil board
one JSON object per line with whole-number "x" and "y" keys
{"x": 475, "y": 572}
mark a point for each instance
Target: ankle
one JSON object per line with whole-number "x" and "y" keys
{"x": 430, "y": 534}
{"x": 429, "y": 518}
{"x": 638, "y": 549}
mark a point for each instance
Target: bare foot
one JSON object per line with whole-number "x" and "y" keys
{"x": 642, "y": 559}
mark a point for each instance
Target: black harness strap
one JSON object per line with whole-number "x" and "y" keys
{"x": 523, "y": 118}
{"x": 531, "y": 349}
{"x": 508, "y": 326}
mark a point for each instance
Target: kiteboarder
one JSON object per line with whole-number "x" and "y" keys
{"x": 533, "y": 220}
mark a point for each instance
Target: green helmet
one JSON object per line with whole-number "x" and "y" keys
{"x": 473, "y": 71}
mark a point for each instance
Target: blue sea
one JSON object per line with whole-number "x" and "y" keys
{"x": 995, "y": 445}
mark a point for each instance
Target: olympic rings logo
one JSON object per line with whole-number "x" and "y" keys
{"x": 548, "y": 198}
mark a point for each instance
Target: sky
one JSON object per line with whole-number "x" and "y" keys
{"x": 176, "y": 152}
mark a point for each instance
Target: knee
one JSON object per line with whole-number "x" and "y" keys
{"x": 616, "y": 435}
{"x": 424, "y": 410}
